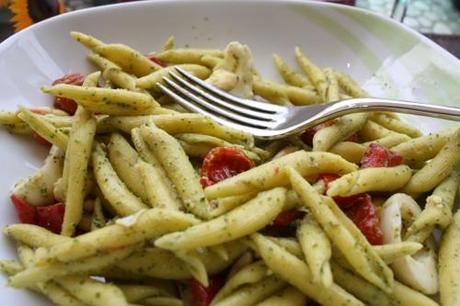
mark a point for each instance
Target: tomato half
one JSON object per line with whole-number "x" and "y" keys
{"x": 367, "y": 220}
{"x": 51, "y": 217}
{"x": 26, "y": 213}
{"x": 379, "y": 156}
{"x": 223, "y": 162}
{"x": 68, "y": 105}
{"x": 360, "y": 209}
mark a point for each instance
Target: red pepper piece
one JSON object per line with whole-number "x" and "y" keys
{"x": 379, "y": 156}
{"x": 223, "y": 162}
{"x": 51, "y": 217}
{"x": 203, "y": 296}
{"x": 26, "y": 213}
{"x": 307, "y": 136}
{"x": 68, "y": 105}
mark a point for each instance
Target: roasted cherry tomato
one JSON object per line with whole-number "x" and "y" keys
{"x": 347, "y": 202}
{"x": 51, "y": 217}
{"x": 379, "y": 156}
{"x": 365, "y": 216}
{"x": 26, "y": 213}
{"x": 286, "y": 217}
{"x": 201, "y": 295}
{"x": 360, "y": 209}
{"x": 156, "y": 60}
{"x": 307, "y": 136}
{"x": 68, "y": 105}
{"x": 223, "y": 162}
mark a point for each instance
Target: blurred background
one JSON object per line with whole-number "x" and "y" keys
{"x": 437, "y": 19}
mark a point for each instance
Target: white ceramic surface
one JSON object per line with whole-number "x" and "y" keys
{"x": 389, "y": 59}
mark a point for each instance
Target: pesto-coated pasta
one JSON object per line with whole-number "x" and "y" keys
{"x": 180, "y": 171}
{"x": 114, "y": 190}
{"x": 44, "y": 128}
{"x": 249, "y": 274}
{"x": 342, "y": 129}
{"x": 77, "y": 156}
{"x": 343, "y": 233}
{"x": 448, "y": 264}
{"x": 290, "y": 77}
{"x": 288, "y": 297}
{"x": 437, "y": 169}
{"x": 149, "y": 81}
{"x": 253, "y": 293}
{"x": 246, "y": 219}
{"x": 316, "y": 249}
{"x": 105, "y": 100}
{"x": 370, "y": 179}
{"x": 147, "y": 224}
{"x": 295, "y": 272}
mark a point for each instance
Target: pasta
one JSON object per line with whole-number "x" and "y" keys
{"x": 142, "y": 203}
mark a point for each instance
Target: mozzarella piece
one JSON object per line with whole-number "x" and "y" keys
{"x": 418, "y": 270}
{"x": 37, "y": 189}
{"x": 234, "y": 73}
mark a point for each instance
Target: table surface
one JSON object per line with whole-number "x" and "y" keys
{"x": 437, "y": 19}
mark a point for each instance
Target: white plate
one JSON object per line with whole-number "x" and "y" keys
{"x": 388, "y": 58}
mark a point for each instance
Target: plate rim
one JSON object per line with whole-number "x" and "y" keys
{"x": 306, "y": 3}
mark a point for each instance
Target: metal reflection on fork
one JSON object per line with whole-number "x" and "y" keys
{"x": 268, "y": 121}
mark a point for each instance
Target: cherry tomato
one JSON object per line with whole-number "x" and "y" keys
{"x": 307, "y": 136}
{"x": 203, "y": 296}
{"x": 51, "y": 217}
{"x": 360, "y": 210}
{"x": 354, "y": 200}
{"x": 379, "y": 156}
{"x": 286, "y": 217}
{"x": 68, "y": 105}
{"x": 26, "y": 213}
{"x": 156, "y": 60}
{"x": 367, "y": 220}
{"x": 223, "y": 162}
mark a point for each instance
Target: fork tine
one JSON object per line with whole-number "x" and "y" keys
{"x": 217, "y": 101}
{"x": 255, "y": 105}
{"x": 214, "y": 109}
{"x": 192, "y": 107}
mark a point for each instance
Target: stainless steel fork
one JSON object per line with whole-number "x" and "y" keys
{"x": 268, "y": 121}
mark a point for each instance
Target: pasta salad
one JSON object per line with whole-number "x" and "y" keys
{"x": 141, "y": 203}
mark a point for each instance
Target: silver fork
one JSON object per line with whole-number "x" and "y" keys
{"x": 268, "y": 121}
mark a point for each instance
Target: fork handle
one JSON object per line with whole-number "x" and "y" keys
{"x": 399, "y": 106}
